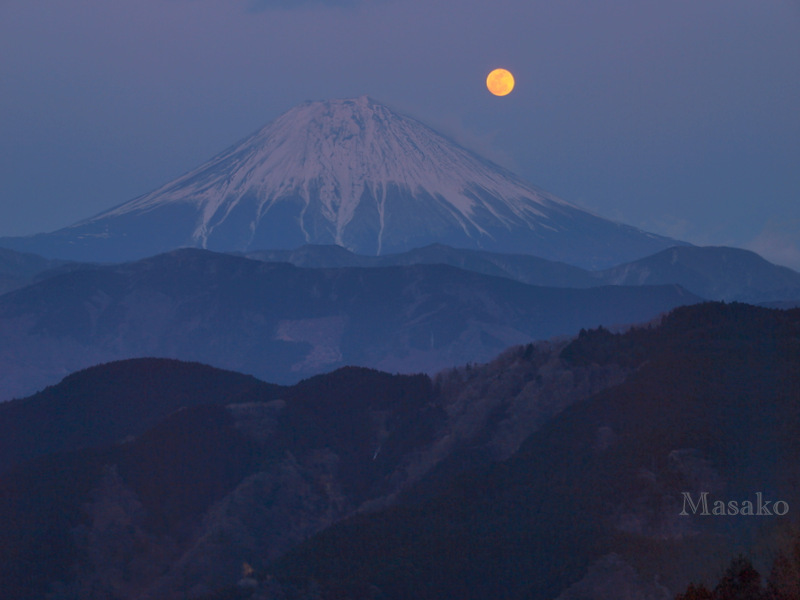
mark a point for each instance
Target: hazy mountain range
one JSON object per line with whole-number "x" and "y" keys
{"x": 282, "y": 323}
{"x": 714, "y": 273}
{"x": 421, "y": 310}
{"x": 18, "y": 269}
{"x": 556, "y": 470}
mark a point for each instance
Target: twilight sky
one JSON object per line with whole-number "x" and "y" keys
{"x": 681, "y": 117}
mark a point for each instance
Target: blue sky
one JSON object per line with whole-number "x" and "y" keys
{"x": 680, "y": 117}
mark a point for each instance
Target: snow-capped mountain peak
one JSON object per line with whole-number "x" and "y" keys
{"x": 355, "y": 173}
{"x": 341, "y": 153}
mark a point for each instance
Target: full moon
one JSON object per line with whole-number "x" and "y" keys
{"x": 500, "y": 82}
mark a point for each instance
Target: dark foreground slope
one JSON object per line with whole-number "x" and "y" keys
{"x": 109, "y": 403}
{"x": 231, "y": 474}
{"x": 556, "y": 469}
{"x": 179, "y": 508}
{"x": 282, "y": 323}
{"x": 596, "y": 494}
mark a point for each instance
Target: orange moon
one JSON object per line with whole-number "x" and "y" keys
{"x": 500, "y": 82}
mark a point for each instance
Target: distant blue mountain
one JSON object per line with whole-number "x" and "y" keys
{"x": 18, "y": 269}
{"x": 714, "y": 273}
{"x": 282, "y": 323}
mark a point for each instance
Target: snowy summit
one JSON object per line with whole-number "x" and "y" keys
{"x": 354, "y": 173}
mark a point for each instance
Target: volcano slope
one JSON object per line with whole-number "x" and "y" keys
{"x": 354, "y": 173}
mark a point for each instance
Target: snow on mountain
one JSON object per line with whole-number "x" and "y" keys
{"x": 354, "y": 173}
{"x": 347, "y": 148}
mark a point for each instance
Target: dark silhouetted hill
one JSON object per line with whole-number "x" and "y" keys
{"x": 556, "y": 469}
{"x": 123, "y": 515}
{"x": 109, "y": 403}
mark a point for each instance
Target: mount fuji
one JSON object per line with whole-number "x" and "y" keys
{"x": 353, "y": 173}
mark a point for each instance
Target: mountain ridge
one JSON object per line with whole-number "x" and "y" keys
{"x": 107, "y": 403}
{"x": 282, "y": 323}
{"x": 711, "y": 272}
